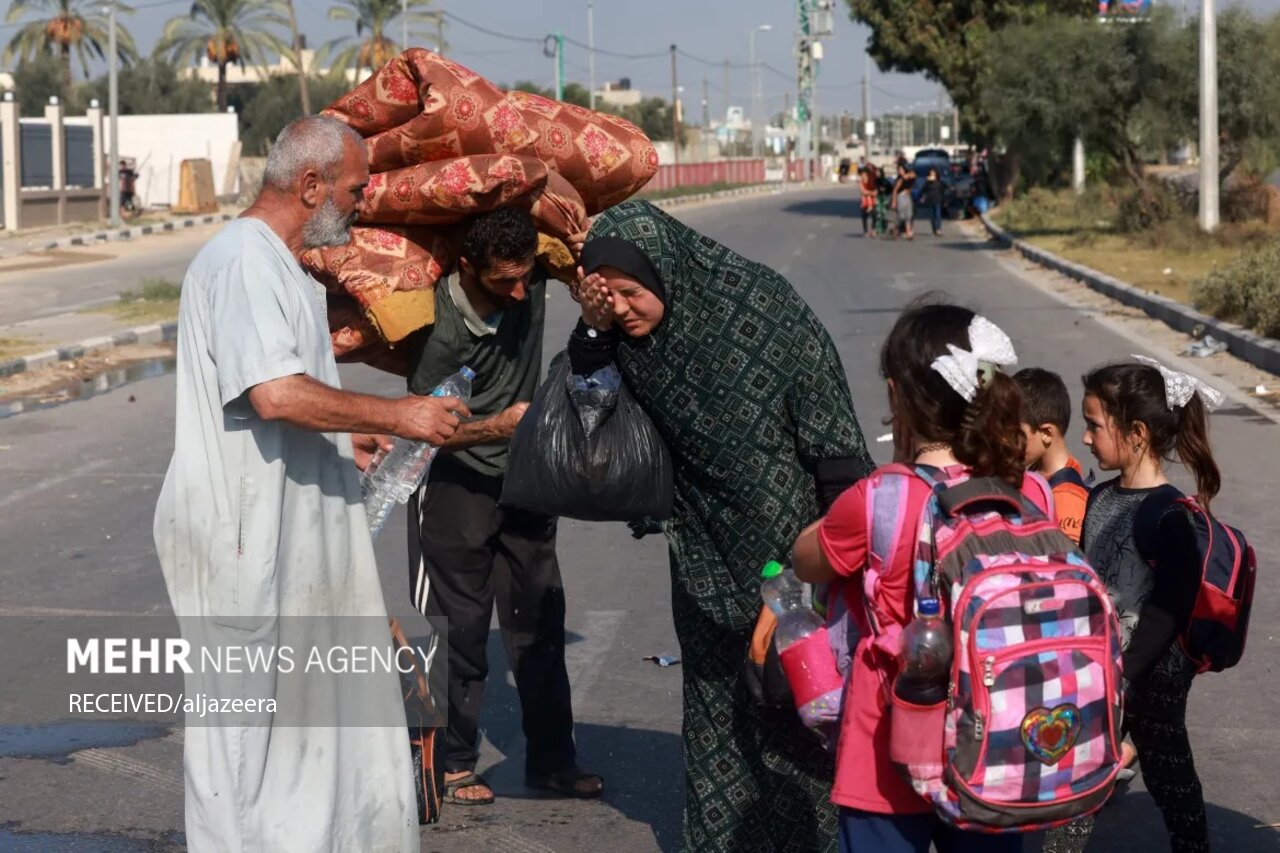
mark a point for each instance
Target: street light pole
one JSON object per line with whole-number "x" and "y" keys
{"x": 113, "y": 107}
{"x": 1208, "y": 117}
{"x": 591, "y": 50}
{"x": 404, "y": 24}
{"x": 755, "y": 88}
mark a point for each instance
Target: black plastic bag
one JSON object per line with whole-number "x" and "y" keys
{"x": 585, "y": 449}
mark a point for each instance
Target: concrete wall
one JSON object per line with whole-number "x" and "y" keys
{"x": 159, "y": 144}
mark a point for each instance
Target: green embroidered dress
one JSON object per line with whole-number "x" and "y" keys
{"x": 747, "y": 389}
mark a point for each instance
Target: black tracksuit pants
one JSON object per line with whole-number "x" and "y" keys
{"x": 465, "y": 553}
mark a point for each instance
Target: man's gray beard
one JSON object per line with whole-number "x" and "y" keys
{"x": 327, "y": 227}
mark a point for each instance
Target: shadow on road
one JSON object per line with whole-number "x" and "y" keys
{"x": 825, "y": 207}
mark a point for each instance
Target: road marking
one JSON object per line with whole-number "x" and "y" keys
{"x": 42, "y": 612}
{"x": 53, "y": 482}
{"x": 112, "y": 761}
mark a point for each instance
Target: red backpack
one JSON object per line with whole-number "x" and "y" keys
{"x": 1215, "y": 635}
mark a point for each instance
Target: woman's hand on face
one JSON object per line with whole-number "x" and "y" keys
{"x": 597, "y": 301}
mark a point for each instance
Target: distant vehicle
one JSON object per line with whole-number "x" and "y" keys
{"x": 956, "y": 184}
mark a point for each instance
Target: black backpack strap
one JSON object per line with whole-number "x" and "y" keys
{"x": 1146, "y": 521}
{"x": 991, "y": 491}
{"x": 1067, "y": 475}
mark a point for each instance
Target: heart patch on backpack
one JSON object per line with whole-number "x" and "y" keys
{"x": 1049, "y": 735}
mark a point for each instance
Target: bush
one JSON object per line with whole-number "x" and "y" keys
{"x": 1145, "y": 207}
{"x": 1246, "y": 292}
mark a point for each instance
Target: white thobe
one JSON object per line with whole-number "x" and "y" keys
{"x": 260, "y": 526}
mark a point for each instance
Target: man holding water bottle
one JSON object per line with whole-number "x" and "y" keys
{"x": 465, "y": 551}
{"x": 261, "y": 532}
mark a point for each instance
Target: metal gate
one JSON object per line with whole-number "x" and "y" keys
{"x": 79, "y": 155}
{"x": 37, "y": 155}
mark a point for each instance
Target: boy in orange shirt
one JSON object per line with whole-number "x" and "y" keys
{"x": 1046, "y": 414}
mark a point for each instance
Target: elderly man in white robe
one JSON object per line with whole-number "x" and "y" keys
{"x": 261, "y": 532}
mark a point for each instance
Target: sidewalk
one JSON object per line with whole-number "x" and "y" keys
{"x": 27, "y": 241}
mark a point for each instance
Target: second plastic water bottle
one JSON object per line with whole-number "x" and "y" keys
{"x": 393, "y": 476}
{"x": 926, "y": 656}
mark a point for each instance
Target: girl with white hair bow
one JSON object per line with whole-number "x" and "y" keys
{"x": 1137, "y": 416}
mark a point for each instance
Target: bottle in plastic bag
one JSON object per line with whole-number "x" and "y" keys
{"x": 788, "y": 598}
{"x": 394, "y": 475}
{"x": 804, "y": 651}
{"x": 926, "y": 657}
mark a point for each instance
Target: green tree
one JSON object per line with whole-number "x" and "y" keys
{"x": 1248, "y": 98}
{"x": 574, "y": 93}
{"x": 154, "y": 86}
{"x": 372, "y": 45}
{"x": 266, "y": 108}
{"x": 226, "y": 31}
{"x": 65, "y": 28}
{"x": 1054, "y": 79}
{"x": 948, "y": 40}
{"x": 39, "y": 77}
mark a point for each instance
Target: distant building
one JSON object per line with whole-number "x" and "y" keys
{"x": 619, "y": 94}
{"x": 252, "y": 74}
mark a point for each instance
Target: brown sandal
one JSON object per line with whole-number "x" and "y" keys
{"x": 471, "y": 780}
{"x": 571, "y": 782}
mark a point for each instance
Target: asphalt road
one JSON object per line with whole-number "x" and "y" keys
{"x": 78, "y": 484}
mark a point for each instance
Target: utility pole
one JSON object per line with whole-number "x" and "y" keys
{"x": 755, "y": 87}
{"x": 303, "y": 95}
{"x": 113, "y": 106}
{"x": 866, "y": 92}
{"x": 553, "y": 49}
{"x": 1077, "y": 165}
{"x": 404, "y": 22}
{"x": 591, "y": 49}
{"x": 440, "y": 33}
{"x": 728, "y": 102}
{"x": 1208, "y": 116}
{"x": 675, "y": 109}
{"x": 706, "y": 104}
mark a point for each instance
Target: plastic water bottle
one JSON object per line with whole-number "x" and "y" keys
{"x": 788, "y": 598}
{"x": 394, "y": 475}
{"x": 926, "y": 657}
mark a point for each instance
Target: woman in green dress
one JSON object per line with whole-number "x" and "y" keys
{"x": 746, "y": 388}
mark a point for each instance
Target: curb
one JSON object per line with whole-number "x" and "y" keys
{"x": 124, "y": 233}
{"x": 755, "y": 189}
{"x": 153, "y": 334}
{"x": 1248, "y": 346}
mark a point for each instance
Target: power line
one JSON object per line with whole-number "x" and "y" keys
{"x": 494, "y": 33}
{"x": 615, "y": 54}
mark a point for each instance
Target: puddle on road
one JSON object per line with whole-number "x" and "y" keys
{"x": 81, "y": 387}
{"x": 75, "y": 842}
{"x": 57, "y": 741}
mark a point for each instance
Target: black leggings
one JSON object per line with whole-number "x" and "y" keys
{"x": 1157, "y": 721}
{"x": 868, "y": 219}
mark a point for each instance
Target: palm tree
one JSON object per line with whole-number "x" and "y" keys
{"x": 66, "y": 27}
{"x": 372, "y": 46}
{"x": 226, "y": 31}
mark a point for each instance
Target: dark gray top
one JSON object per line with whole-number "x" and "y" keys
{"x": 507, "y": 362}
{"x": 1108, "y": 541}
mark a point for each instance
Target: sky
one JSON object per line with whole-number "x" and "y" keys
{"x": 713, "y": 30}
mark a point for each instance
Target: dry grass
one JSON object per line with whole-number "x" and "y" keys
{"x": 14, "y": 347}
{"x": 155, "y": 302}
{"x": 1082, "y": 229}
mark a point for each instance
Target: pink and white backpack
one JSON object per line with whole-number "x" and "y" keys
{"x": 1029, "y": 736}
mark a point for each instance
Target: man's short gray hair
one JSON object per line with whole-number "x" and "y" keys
{"x": 311, "y": 142}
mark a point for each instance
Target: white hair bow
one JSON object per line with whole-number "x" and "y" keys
{"x": 965, "y": 370}
{"x": 1179, "y": 388}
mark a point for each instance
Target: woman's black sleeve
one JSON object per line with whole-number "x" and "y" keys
{"x": 1171, "y": 549}
{"x": 590, "y": 352}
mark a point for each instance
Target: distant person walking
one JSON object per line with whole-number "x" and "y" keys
{"x": 902, "y": 203}
{"x": 931, "y": 196}
{"x": 869, "y": 183}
